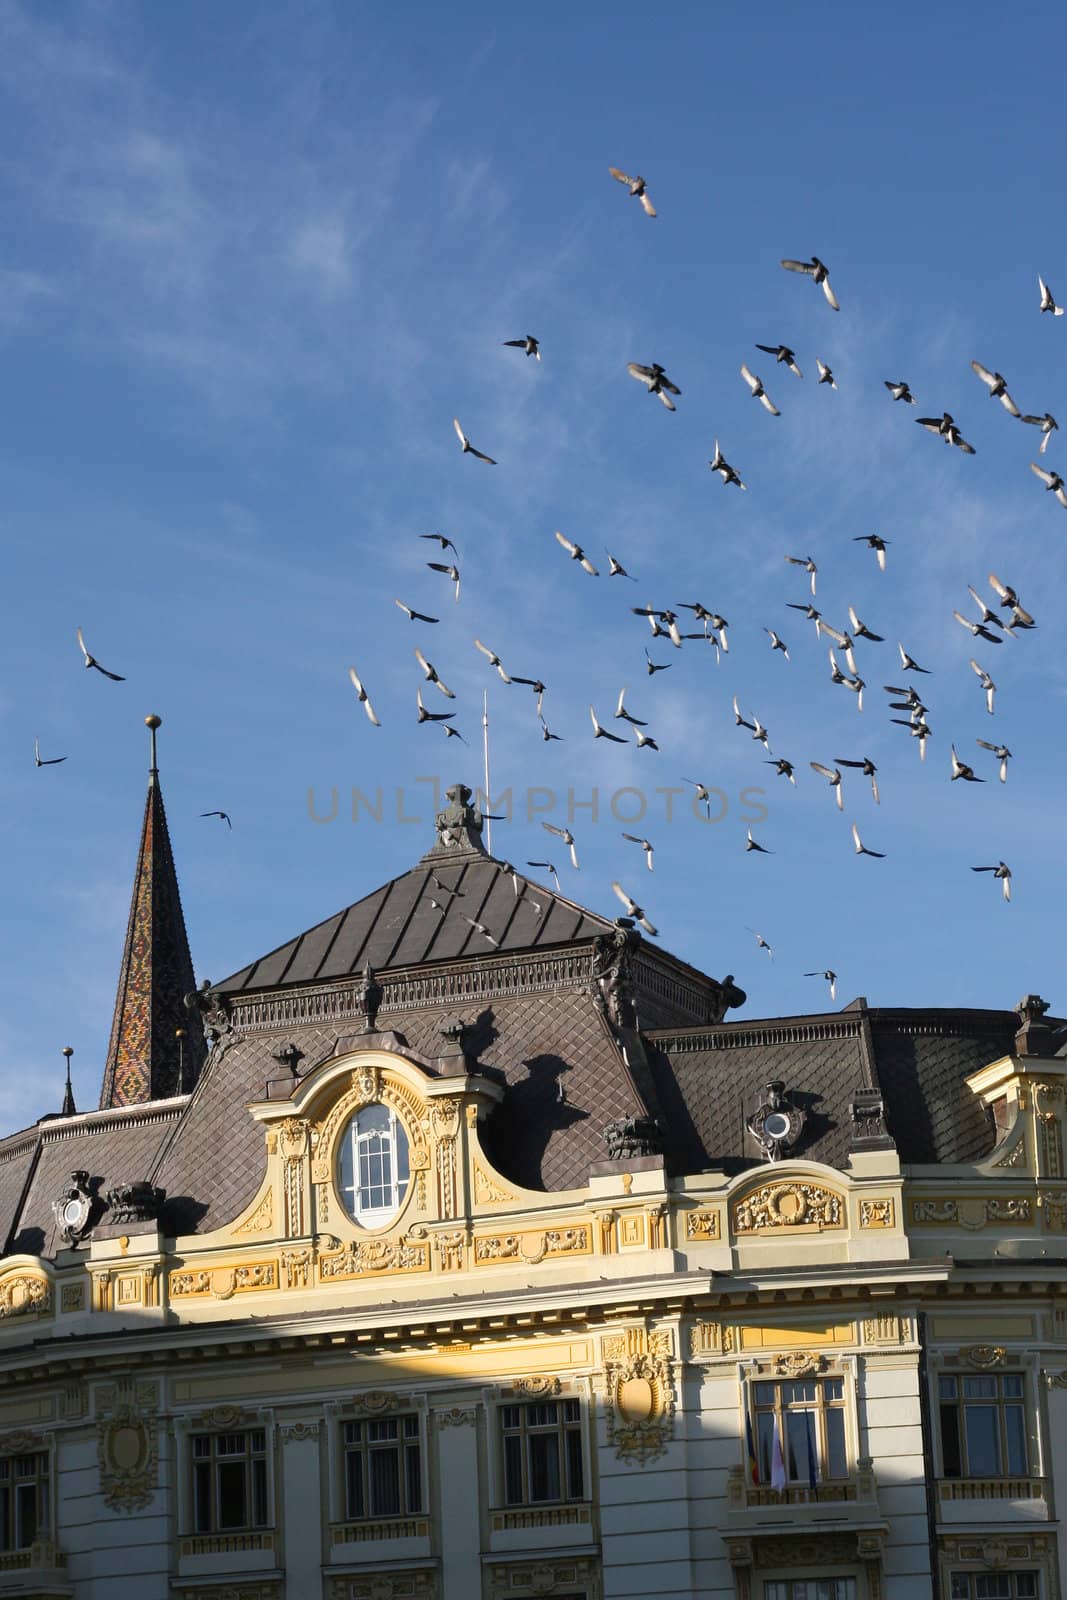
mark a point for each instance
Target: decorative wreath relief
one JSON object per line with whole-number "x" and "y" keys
{"x": 640, "y": 1393}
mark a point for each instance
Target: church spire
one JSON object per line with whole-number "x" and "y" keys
{"x": 144, "y": 1057}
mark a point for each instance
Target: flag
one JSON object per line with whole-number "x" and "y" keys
{"x": 813, "y": 1463}
{"x": 753, "y": 1460}
{"x": 777, "y": 1461}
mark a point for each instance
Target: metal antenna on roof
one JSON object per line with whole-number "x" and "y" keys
{"x": 485, "y": 749}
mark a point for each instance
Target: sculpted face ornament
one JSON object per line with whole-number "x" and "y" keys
{"x": 776, "y": 1123}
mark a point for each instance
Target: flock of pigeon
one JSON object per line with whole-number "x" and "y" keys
{"x": 1004, "y": 619}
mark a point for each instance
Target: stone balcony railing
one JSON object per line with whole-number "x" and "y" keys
{"x": 992, "y": 1488}
{"x": 560, "y": 1516}
{"x": 379, "y": 1528}
{"x": 41, "y": 1556}
{"x": 852, "y": 1500}
{"x": 216, "y": 1544}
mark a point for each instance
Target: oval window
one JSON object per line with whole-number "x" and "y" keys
{"x": 373, "y": 1166}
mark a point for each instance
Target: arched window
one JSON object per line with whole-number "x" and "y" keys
{"x": 374, "y": 1168}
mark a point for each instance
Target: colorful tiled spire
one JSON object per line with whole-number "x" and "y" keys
{"x": 146, "y": 1059}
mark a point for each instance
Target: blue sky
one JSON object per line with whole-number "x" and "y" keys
{"x": 254, "y": 261}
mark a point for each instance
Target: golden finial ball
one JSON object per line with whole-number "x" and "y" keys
{"x": 153, "y": 721}
{"x": 68, "y": 1051}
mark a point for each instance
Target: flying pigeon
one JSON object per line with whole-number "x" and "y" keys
{"x": 820, "y": 272}
{"x": 637, "y": 189}
{"x": 468, "y": 448}
{"x": 531, "y": 345}
{"x": 362, "y": 694}
{"x": 91, "y": 661}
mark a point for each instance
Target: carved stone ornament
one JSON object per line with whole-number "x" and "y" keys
{"x": 73, "y": 1209}
{"x": 538, "y": 1387}
{"x": 640, "y": 1394}
{"x": 243, "y": 1589}
{"x": 134, "y": 1202}
{"x": 799, "y": 1364}
{"x": 456, "y": 1417}
{"x": 459, "y": 825}
{"x": 632, "y": 1136}
{"x": 25, "y": 1294}
{"x": 297, "y": 1432}
{"x": 868, "y": 1126}
{"x": 562, "y": 1576}
{"x": 370, "y": 997}
{"x": 984, "y": 1355}
{"x": 384, "y": 1586}
{"x": 788, "y": 1205}
{"x": 776, "y": 1124}
{"x": 127, "y": 1439}
{"x": 213, "y": 1010}
{"x": 613, "y": 987}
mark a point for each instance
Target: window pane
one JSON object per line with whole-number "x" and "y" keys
{"x": 797, "y": 1424}
{"x": 25, "y": 1515}
{"x": 377, "y": 1431}
{"x": 951, "y": 1462}
{"x": 202, "y": 1520}
{"x": 980, "y": 1388}
{"x": 575, "y": 1488}
{"x": 1026, "y": 1585}
{"x": 414, "y": 1477}
{"x": 961, "y": 1586}
{"x": 765, "y": 1443}
{"x": 385, "y": 1482}
{"x": 259, "y": 1494}
{"x": 354, "y": 1498}
{"x": 1015, "y": 1439}
{"x": 544, "y": 1466}
{"x": 983, "y": 1441}
{"x": 836, "y": 1465}
{"x": 1013, "y": 1389}
{"x": 512, "y": 1469}
{"x": 232, "y": 1502}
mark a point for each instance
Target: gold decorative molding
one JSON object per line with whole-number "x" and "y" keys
{"x": 701, "y": 1225}
{"x": 524, "y": 1580}
{"x": 444, "y": 1117}
{"x": 21, "y": 1443}
{"x": 1016, "y": 1155}
{"x": 385, "y": 1528}
{"x": 540, "y": 1386}
{"x": 972, "y": 1212}
{"x": 222, "y": 1283}
{"x": 72, "y": 1297}
{"x": 879, "y": 1213}
{"x": 296, "y": 1264}
{"x": 1054, "y": 1210}
{"x": 487, "y": 1192}
{"x": 451, "y": 1250}
{"x": 375, "y": 1403}
{"x": 531, "y": 1248}
{"x": 798, "y": 1364}
{"x": 25, "y": 1294}
{"x": 885, "y": 1330}
{"x": 297, "y": 1432}
{"x": 223, "y": 1418}
{"x": 799, "y": 1204}
{"x": 640, "y": 1393}
{"x": 242, "y": 1589}
{"x": 262, "y": 1218}
{"x": 713, "y": 1339}
{"x": 983, "y": 1355}
{"x": 384, "y": 1586}
{"x": 127, "y": 1435}
{"x": 362, "y": 1258}
{"x": 996, "y": 1551}
{"x": 455, "y": 1417}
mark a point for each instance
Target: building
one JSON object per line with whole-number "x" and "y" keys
{"x": 461, "y": 1250}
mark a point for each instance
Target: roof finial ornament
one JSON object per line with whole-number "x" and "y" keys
{"x": 459, "y": 825}
{"x": 1034, "y": 1036}
{"x": 69, "y": 1108}
{"x": 152, "y": 723}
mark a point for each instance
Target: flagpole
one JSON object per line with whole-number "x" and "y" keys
{"x": 485, "y": 751}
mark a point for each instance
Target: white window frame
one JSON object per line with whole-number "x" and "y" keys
{"x": 192, "y": 1423}
{"x": 376, "y": 1216}
{"x": 340, "y": 1412}
{"x": 570, "y": 1389}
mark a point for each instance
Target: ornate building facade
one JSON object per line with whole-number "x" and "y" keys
{"x": 460, "y": 1249}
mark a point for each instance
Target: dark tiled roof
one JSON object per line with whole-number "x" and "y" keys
{"x": 397, "y": 925}
{"x": 921, "y": 1061}
{"x": 112, "y": 1148}
{"x": 155, "y": 976}
{"x": 709, "y": 1080}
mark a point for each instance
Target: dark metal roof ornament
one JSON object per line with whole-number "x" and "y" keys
{"x": 776, "y": 1123}
{"x": 869, "y": 1130}
{"x": 1035, "y": 1035}
{"x": 613, "y": 991}
{"x": 69, "y": 1108}
{"x": 459, "y": 825}
{"x": 73, "y": 1209}
{"x": 729, "y": 999}
{"x": 631, "y": 1137}
{"x": 370, "y": 997}
{"x": 135, "y": 1202}
{"x": 290, "y": 1057}
{"x": 214, "y": 1011}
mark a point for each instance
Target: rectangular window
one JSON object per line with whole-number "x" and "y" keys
{"x": 229, "y": 1481}
{"x": 802, "y": 1421}
{"x": 542, "y": 1452}
{"x": 983, "y": 1425}
{"x": 810, "y": 1589}
{"x": 994, "y": 1586}
{"x": 23, "y": 1500}
{"x": 383, "y": 1467}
